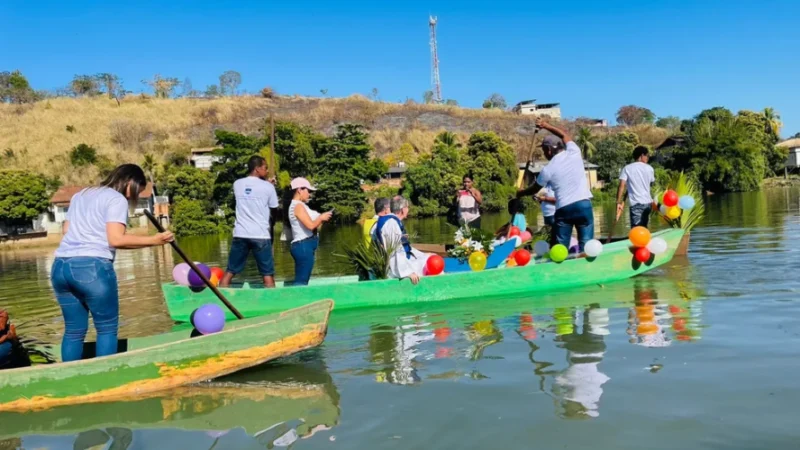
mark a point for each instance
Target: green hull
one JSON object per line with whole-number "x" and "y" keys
{"x": 252, "y": 401}
{"x": 615, "y": 263}
{"x": 166, "y": 361}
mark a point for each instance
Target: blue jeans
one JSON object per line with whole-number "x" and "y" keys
{"x": 303, "y": 254}
{"x": 86, "y": 285}
{"x": 550, "y": 220}
{"x": 579, "y": 215}
{"x": 262, "y": 251}
{"x": 6, "y": 349}
{"x": 640, "y": 214}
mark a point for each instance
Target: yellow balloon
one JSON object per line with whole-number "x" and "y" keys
{"x": 673, "y": 212}
{"x": 477, "y": 261}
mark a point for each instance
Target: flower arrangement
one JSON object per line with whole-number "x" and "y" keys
{"x": 471, "y": 240}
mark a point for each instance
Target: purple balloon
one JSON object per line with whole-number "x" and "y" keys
{"x": 209, "y": 319}
{"x": 574, "y": 246}
{"x": 181, "y": 274}
{"x": 195, "y": 280}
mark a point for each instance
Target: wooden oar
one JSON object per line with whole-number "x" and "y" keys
{"x": 521, "y": 178}
{"x": 614, "y": 225}
{"x": 194, "y": 267}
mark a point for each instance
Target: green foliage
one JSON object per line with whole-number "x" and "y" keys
{"x": 190, "y": 183}
{"x": 23, "y": 195}
{"x": 84, "y": 85}
{"x": 163, "y": 87}
{"x": 83, "y": 155}
{"x": 671, "y": 123}
{"x": 191, "y": 217}
{"x": 295, "y": 148}
{"x": 427, "y": 97}
{"x": 406, "y": 153}
{"x": 451, "y": 102}
{"x": 14, "y": 88}
{"x": 634, "y": 115}
{"x": 612, "y": 153}
{"x": 495, "y": 101}
{"x": 685, "y": 185}
{"x": 229, "y": 81}
{"x": 233, "y": 156}
{"x": 111, "y": 84}
{"x": 493, "y": 166}
{"x": 585, "y": 140}
{"x": 370, "y": 260}
{"x": 213, "y": 91}
{"x": 431, "y": 184}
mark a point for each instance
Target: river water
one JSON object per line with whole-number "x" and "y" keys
{"x": 701, "y": 353}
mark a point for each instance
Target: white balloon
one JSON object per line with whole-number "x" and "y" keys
{"x": 657, "y": 246}
{"x": 517, "y": 241}
{"x": 541, "y": 247}
{"x": 593, "y": 248}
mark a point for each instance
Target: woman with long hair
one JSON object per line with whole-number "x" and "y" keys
{"x": 304, "y": 223}
{"x": 83, "y": 274}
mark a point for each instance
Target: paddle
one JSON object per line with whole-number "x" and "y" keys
{"x": 521, "y": 178}
{"x": 194, "y": 267}
{"x": 613, "y": 225}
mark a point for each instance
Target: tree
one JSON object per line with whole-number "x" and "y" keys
{"x": 186, "y": 88}
{"x": 432, "y": 183}
{"x": 797, "y": 135}
{"x": 83, "y": 155}
{"x": 405, "y": 154}
{"x": 229, "y": 81}
{"x": 23, "y": 196}
{"x": 493, "y": 166}
{"x": 149, "y": 165}
{"x": 585, "y": 140}
{"x": 634, "y": 115}
{"x": 232, "y": 165}
{"x": 111, "y": 83}
{"x": 162, "y": 87}
{"x": 212, "y": 91}
{"x": 324, "y": 92}
{"x": 612, "y": 153}
{"x": 14, "y": 88}
{"x": 84, "y": 85}
{"x": 671, "y": 123}
{"x": 191, "y": 217}
{"x": 451, "y": 102}
{"x": 190, "y": 183}
{"x": 495, "y": 101}
{"x": 427, "y": 97}
{"x": 773, "y": 121}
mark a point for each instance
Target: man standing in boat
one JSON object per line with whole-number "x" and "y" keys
{"x": 566, "y": 176}
{"x": 256, "y": 204}
{"x": 638, "y": 177}
{"x": 405, "y": 261}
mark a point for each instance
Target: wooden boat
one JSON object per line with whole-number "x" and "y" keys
{"x": 163, "y": 362}
{"x": 261, "y": 403}
{"x": 615, "y": 263}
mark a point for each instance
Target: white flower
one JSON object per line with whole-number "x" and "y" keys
{"x": 476, "y": 246}
{"x": 459, "y": 236}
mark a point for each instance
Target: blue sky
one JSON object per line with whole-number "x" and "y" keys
{"x": 675, "y": 57}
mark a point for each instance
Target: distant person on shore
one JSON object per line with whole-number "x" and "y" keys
{"x": 83, "y": 274}
{"x": 305, "y": 223}
{"x": 638, "y": 177}
{"x": 405, "y": 261}
{"x": 468, "y": 201}
{"x": 256, "y": 202}
{"x": 381, "y": 209}
{"x": 566, "y": 175}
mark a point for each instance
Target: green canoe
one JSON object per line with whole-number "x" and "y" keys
{"x": 615, "y": 263}
{"x": 163, "y": 362}
{"x": 254, "y": 401}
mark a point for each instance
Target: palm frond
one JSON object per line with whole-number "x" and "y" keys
{"x": 370, "y": 260}
{"x": 684, "y": 185}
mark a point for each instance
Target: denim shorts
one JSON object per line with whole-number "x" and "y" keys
{"x": 640, "y": 214}
{"x": 262, "y": 251}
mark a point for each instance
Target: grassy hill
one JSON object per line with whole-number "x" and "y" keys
{"x": 39, "y": 136}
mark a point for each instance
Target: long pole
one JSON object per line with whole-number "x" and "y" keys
{"x": 194, "y": 267}
{"x": 272, "y": 169}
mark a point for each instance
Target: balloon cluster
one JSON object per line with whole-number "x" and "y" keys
{"x": 185, "y": 276}
{"x": 645, "y": 245}
{"x": 519, "y": 257}
{"x": 672, "y": 206}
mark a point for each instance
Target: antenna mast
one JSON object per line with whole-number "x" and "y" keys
{"x": 436, "y": 85}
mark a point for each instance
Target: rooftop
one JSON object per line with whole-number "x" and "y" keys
{"x": 397, "y": 169}
{"x": 790, "y": 143}
{"x": 64, "y": 194}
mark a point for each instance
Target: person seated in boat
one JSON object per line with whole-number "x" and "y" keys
{"x": 638, "y": 177}
{"x": 516, "y": 209}
{"x": 381, "y": 209}
{"x": 405, "y": 261}
{"x": 566, "y": 175}
{"x": 8, "y": 334}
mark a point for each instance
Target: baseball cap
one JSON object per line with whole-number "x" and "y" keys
{"x": 301, "y": 182}
{"x": 551, "y": 141}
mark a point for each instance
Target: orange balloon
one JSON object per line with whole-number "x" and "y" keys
{"x": 218, "y": 272}
{"x": 214, "y": 280}
{"x": 639, "y": 236}
{"x": 647, "y": 329}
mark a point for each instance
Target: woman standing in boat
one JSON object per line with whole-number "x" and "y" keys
{"x": 83, "y": 274}
{"x": 304, "y": 223}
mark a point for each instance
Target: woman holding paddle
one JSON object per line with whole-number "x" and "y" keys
{"x": 83, "y": 274}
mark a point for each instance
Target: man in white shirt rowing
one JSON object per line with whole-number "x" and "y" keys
{"x": 405, "y": 261}
{"x": 566, "y": 176}
{"x": 638, "y": 177}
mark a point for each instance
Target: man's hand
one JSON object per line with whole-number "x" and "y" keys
{"x": 414, "y": 278}
{"x": 620, "y": 208}
{"x": 540, "y": 122}
{"x": 163, "y": 238}
{"x": 12, "y": 332}
{"x": 272, "y": 180}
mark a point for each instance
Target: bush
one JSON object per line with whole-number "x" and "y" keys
{"x": 23, "y": 195}
{"x": 190, "y": 183}
{"x": 83, "y": 155}
{"x": 192, "y": 217}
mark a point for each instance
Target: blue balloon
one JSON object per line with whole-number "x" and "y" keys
{"x": 208, "y": 319}
{"x": 686, "y": 202}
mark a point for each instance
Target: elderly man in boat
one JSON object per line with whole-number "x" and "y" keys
{"x": 405, "y": 261}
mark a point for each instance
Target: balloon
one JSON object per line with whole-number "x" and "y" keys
{"x": 541, "y": 247}
{"x": 517, "y": 241}
{"x": 558, "y": 253}
{"x": 522, "y": 257}
{"x": 670, "y": 198}
{"x": 657, "y": 246}
{"x": 525, "y": 236}
{"x": 663, "y": 210}
{"x": 181, "y": 274}
{"x": 218, "y": 272}
{"x": 642, "y": 254}
{"x": 194, "y": 279}
{"x": 639, "y": 236}
{"x": 686, "y": 202}
{"x": 434, "y": 265}
{"x": 673, "y": 212}
{"x": 574, "y": 246}
{"x": 514, "y": 231}
{"x": 208, "y": 319}
{"x": 477, "y": 261}
{"x": 511, "y": 262}
{"x": 593, "y": 248}
{"x": 214, "y": 280}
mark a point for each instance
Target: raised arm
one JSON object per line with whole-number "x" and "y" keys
{"x": 563, "y": 134}
{"x": 302, "y": 215}
{"x": 530, "y": 190}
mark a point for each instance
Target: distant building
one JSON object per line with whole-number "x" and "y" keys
{"x": 793, "y": 160}
{"x": 396, "y": 172}
{"x": 202, "y": 157}
{"x": 537, "y": 166}
{"x": 530, "y": 107}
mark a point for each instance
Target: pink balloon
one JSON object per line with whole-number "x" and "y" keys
{"x": 181, "y": 274}
{"x": 526, "y": 236}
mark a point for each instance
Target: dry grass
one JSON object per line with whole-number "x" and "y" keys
{"x": 37, "y": 134}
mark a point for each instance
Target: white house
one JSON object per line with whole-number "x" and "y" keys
{"x": 530, "y": 107}
{"x": 52, "y": 219}
{"x": 202, "y": 157}
{"x": 793, "y": 160}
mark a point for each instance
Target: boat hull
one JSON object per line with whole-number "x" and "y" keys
{"x": 615, "y": 263}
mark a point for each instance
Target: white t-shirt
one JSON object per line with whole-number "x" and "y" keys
{"x": 566, "y": 176}
{"x": 467, "y": 206}
{"x": 548, "y": 209}
{"x": 299, "y": 231}
{"x": 639, "y": 177}
{"x": 89, "y": 212}
{"x": 254, "y": 198}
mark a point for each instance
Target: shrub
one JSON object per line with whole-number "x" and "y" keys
{"x": 191, "y": 217}
{"x": 83, "y": 155}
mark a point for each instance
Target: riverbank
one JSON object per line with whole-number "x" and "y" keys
{"x": 51, "y": 241}
{"x": 792, "y": 180}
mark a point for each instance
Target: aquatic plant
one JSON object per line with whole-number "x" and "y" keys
{"x": 370, "y": 260}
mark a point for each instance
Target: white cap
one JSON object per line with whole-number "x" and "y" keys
{"x": 301, "y": 182}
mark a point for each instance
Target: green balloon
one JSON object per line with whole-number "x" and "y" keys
{"x": 558, "y": 253}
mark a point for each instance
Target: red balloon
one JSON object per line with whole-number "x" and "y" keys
{"x": 522, "y": 257}
{"x": 514, "y": 231}
{"x": 434, "y": 265}
{"x": 642, "y": 254}
{"x": 670, "y": 198}
{"x": 218, "y": 272}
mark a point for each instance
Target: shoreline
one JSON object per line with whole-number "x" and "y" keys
{"x": 51, "y": 241}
